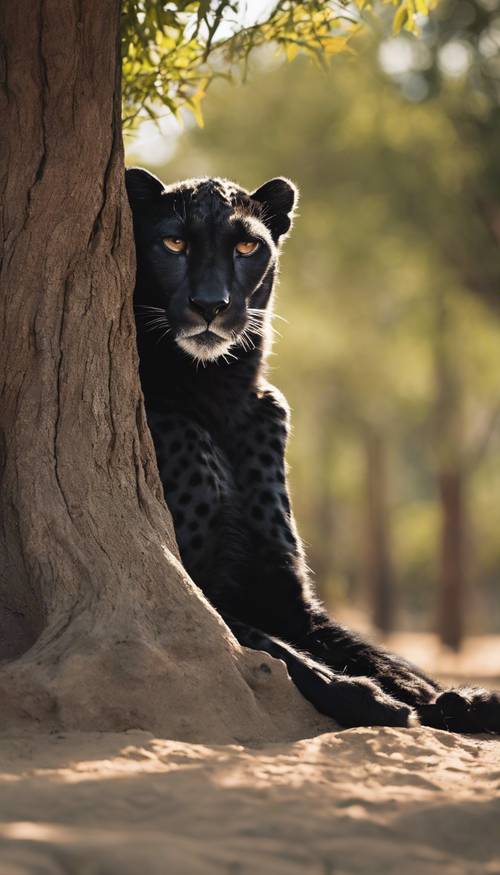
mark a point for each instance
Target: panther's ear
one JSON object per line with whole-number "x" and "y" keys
{"x": 142, "y": 186}
{"x": 279, "y": 198}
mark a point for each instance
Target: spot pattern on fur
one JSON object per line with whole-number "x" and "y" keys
{"x": 196, "y": 483}
{"x": 204, "y": 485}
{"x": 261, "y": 472}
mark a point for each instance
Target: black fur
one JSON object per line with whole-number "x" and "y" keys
{"x": 220, "y": 435}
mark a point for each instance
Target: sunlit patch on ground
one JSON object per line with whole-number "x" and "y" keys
{"x": 363, "y": 800}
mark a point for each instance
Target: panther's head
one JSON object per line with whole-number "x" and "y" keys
{"x": 206, "y": 255}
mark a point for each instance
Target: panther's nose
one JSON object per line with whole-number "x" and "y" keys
{"x": 210, "y": 307}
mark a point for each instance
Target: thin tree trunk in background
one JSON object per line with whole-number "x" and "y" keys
{"x": 322, "y": 556}
{"x": 100, "y": 626}
{"x": 321, "y": 550}
{"x": 450, "y": 476}
{"x": 452, "y": 576}
{"x": 379, "y": 570}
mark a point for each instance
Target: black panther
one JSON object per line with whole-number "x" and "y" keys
{"x": 207, "y": 257}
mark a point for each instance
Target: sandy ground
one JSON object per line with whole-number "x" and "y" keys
{"x": 363, "y": 800}
{"x": 359, "y": 801}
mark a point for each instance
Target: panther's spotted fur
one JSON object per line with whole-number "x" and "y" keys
{"x": 220, "y": 434}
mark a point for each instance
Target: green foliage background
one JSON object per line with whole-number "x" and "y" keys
{"x": 173, "y": 50}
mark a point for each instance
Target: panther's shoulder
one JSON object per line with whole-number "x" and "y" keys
{"x": 271, "y": 401}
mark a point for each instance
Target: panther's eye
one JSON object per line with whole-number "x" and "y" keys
{"x": 175, "y": 244}
{"x": 247, "y": 247}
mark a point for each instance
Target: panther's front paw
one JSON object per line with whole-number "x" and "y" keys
{"x": 463, "y": 710}
{"x": 363, "y": 703}
{"x": 392, "y": 712}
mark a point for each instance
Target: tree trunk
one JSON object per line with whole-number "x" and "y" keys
{"x": 379, "y": 572}
{"x": 451, "y": 479}
{"x": 452, "y": 576}
{"x": 100, "y": 627}
{"x": 322, "y": 547}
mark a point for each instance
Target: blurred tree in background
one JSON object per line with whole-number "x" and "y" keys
{"x": 390, "y": 287}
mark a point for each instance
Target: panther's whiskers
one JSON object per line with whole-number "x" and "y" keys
{"x": 155, "y": 321}
{"x": 164, "y": 334}
{"x": 150, "y": 308}
{"x": 246, "y": 340}
{"x": 262, "y": 330}
{"x": 161, "y": 323}
{"x": 150, "y": 321}
{"x": 263, "y": 314}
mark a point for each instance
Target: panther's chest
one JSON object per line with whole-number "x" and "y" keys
{"x": 226, "y": 488}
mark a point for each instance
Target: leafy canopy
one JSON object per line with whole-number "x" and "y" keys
{"x": 172, "y": 50}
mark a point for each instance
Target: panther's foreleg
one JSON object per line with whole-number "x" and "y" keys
{"x": 349, "y": 701}
{"x": 346, "y": 651}
{"x": 456, "y": 710}
{"x": 285, "y": 606}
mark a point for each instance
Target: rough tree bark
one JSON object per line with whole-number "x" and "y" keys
{"x": 100, "y": 627}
